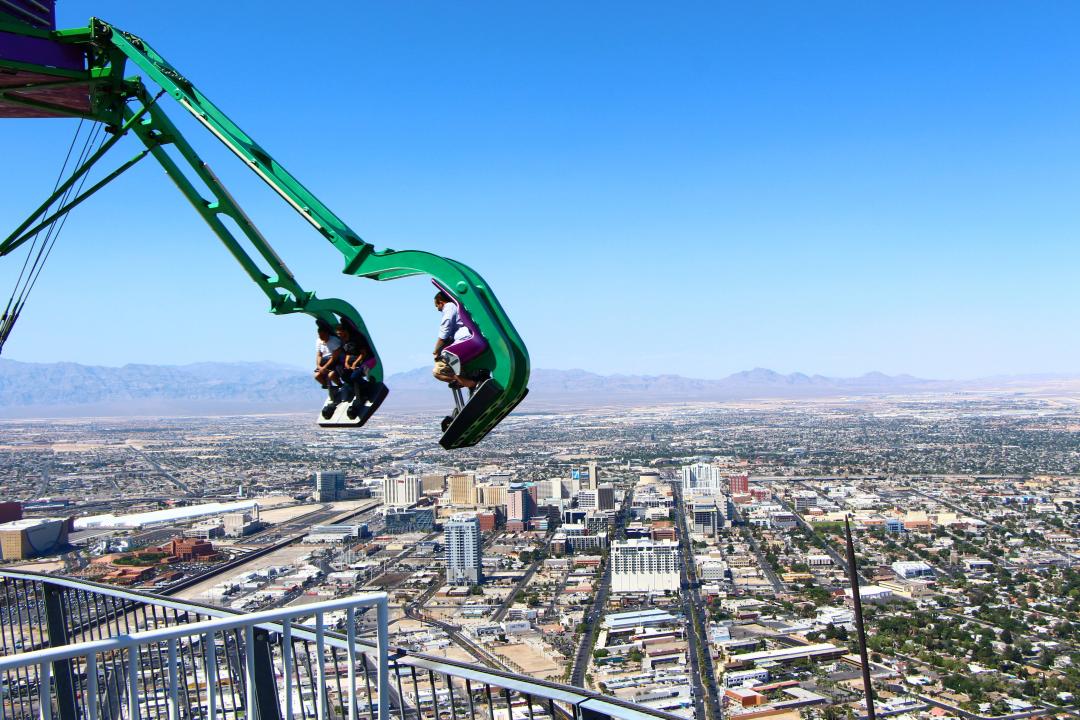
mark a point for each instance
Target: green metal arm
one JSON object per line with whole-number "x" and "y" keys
{"x": 507, "y": 358}
{"x": 124, "y": 105}
{"x": 157, "y": 132}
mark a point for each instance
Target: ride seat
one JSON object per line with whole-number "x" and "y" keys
{"x": 461, "y": 352}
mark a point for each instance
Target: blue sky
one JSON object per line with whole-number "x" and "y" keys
{"x": 692, "y": 188}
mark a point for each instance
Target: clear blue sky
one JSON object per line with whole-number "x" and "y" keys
{"x": 691, "y": 188}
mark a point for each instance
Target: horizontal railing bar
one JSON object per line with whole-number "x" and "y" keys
{"x": 146, "y": 637}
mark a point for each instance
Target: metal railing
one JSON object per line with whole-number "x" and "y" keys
{"x": 75, "y": 650}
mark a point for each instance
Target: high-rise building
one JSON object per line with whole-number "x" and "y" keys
{"x": 433, "y": 483}
{"x": 520, "y": 502}
{"x": 644, "y": 566}
{"x": 702, "y": 479}
{"x": 401, "y": 490}
{"x": 739, "y": 484}
{"x": 488, "y": 495}
{"x": 329, "y": 486}
{"x": 605, "y": 496}
{"x": 594, "y": 478}
{"x": 587, "y": 500}
{"x": 464, "y": 564}
{"x": 462, "y": 489}
{"x": 707, "y": 517}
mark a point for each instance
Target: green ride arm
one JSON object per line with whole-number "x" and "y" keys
{"x": 157, "y": 132}
{"x": 507, "y": 357}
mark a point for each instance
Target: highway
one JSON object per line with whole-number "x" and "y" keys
{"x": 701, "y": 666}
{"x": 596, "y": 610}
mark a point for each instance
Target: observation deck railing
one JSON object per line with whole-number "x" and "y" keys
{"x": 76, "y": 650}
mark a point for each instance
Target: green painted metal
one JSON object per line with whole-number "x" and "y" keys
{"x": 124, "y": 105}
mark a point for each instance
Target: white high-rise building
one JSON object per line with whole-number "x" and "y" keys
{"x": 642, "y": 565}
{"x": 402, "y": 490}
{"x": 464, "y": 564}
{"x": 703, "y": 479}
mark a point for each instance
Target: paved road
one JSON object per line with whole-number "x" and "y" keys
{"x": 763, "y": 563}
{"x": 161, "y": 470}
{"x": 520, "y": 585}
{"x": 694, "y": 611}
{"x": 596, "y": 610}
{"x": 837, "y": 558}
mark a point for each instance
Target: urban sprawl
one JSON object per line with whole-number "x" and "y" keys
{"x": 687, "y": 558}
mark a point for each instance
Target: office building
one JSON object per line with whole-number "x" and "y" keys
{"x": 462, "y": 489}
{"x": 329, "y": 486}
{"x": 805, "y": 499}
{"x": 488, "y": 519}
{"x": 587, "y": 500}
{"x": 464, "y": 564}
{"x": 30, "y": 537}
{"x": 596, "y": 522}
{"x": 594, "y": 477}
{"x": 406, "y": 520}
{"x": 706, "y": 517}
{"x": 190, "y": 550}
{"x": 605, "y": 497}
{"x": 739, "y": 484}
{"x": 520, "y": 504}
{"x": 402, "y": 490}
{"x": 644, "y": 566}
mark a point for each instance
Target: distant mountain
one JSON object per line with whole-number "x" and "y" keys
{"x": 70, "y": 389}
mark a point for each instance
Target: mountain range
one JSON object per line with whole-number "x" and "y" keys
{"x": 70, "y": 389}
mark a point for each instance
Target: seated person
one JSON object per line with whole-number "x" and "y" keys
{"x": 327, "y": 357}
{"x": 450, "y": 331}
{"x": 355, "y": 352}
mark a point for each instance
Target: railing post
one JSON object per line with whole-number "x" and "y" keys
{"x": 286, "y": 666}
{"x": 320, "y": 667}
{"x": 266, "y": 695}
{"x": 210, "y": 648}
{"x": 383, "y": 609}
{"x": 350, "y": 635}
{"x": 251, "y": 704}
{"x": 56, "y": 625}
{"x": 134, "y": 671}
